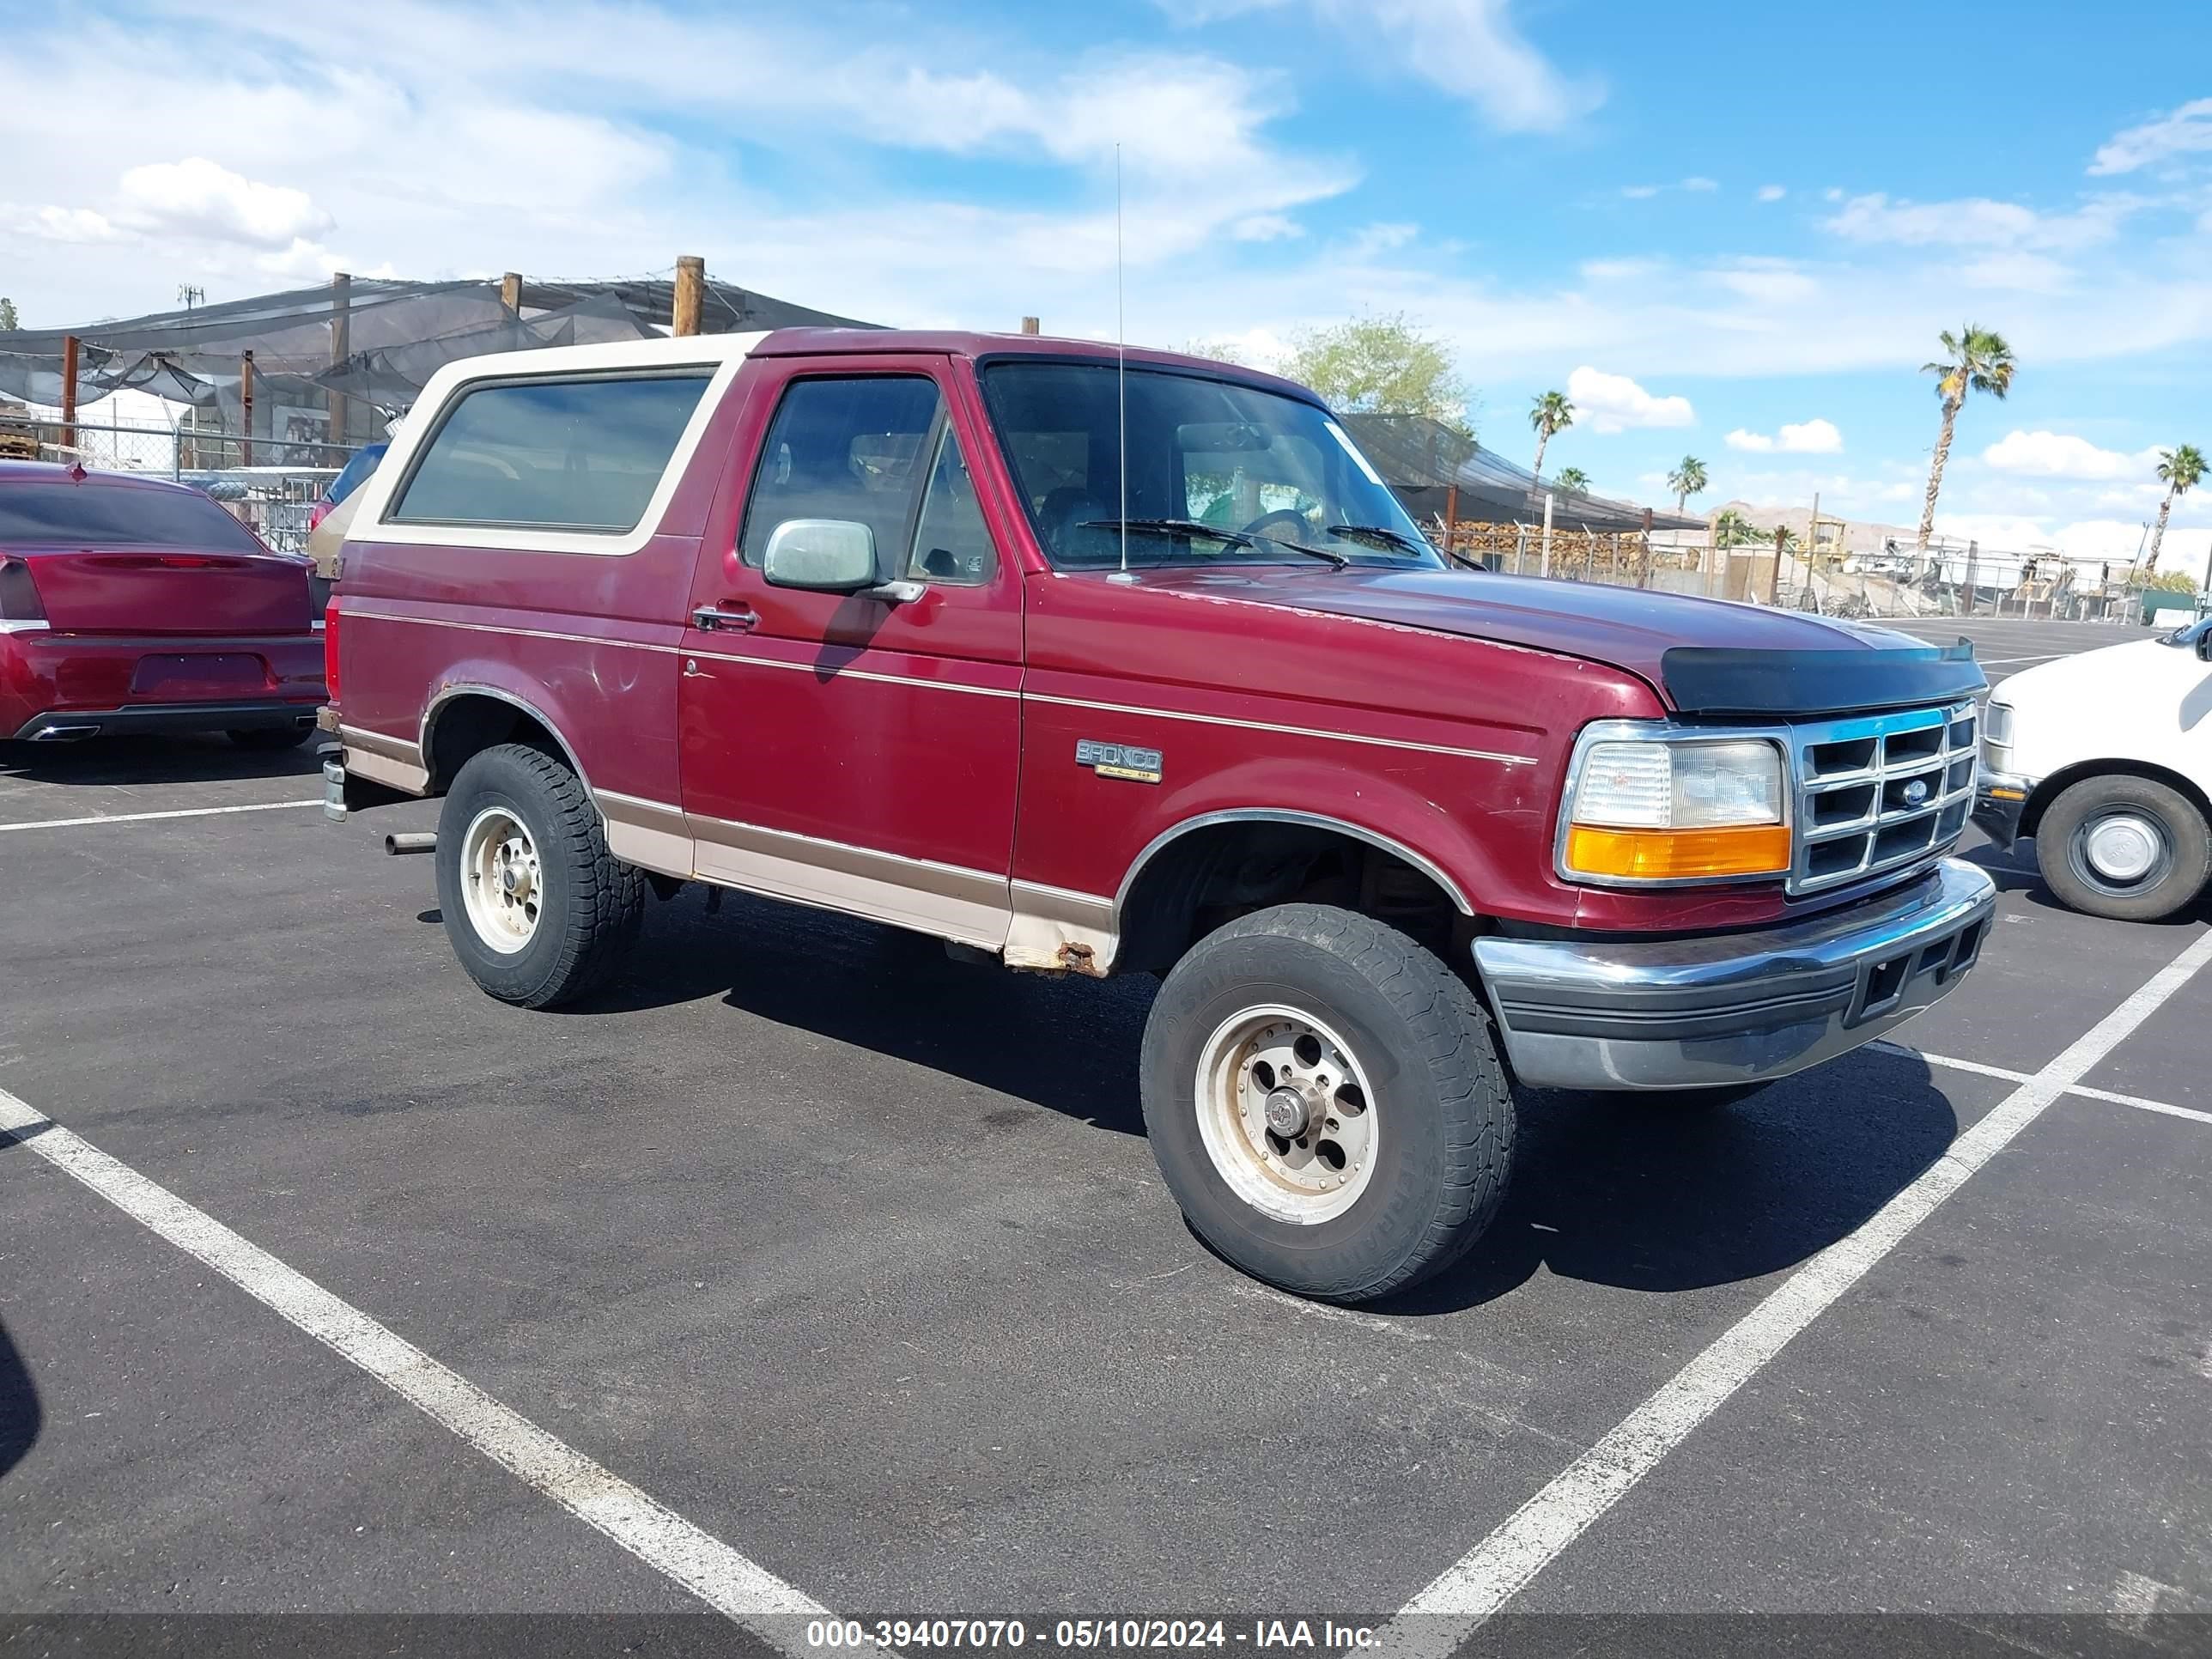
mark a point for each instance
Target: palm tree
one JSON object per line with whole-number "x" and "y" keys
{"x": 2180, "y": 469}
{"x": 1732, "y": 528}
{"x": 1573, "y": 477}
{"x": 1686, "y": 481}
{"x": 1550, "y": 413}
{"x": 1976, "y": 360}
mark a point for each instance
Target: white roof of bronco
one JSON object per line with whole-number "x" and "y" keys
{"x": 721, "y": 353}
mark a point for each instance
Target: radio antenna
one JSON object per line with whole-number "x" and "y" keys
{"x": 1120, "y": 366}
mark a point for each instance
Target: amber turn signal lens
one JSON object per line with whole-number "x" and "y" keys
{"x": 1753, "y": 849}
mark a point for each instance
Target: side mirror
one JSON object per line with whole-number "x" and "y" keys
{"x": 821, "y": 556}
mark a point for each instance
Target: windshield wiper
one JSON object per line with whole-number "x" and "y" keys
{"x": 1212, "y": 532}
{"x": 1382, "y": 533}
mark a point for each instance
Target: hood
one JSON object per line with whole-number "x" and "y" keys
{"x": 1705, "y": 656}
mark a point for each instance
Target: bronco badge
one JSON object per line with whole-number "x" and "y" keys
{"x": 1119, "y": 760}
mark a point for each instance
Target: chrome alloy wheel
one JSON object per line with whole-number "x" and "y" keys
{"x": 2121, "y": 853}
{"x": 501, "y": 881}
{"x": 1287, "y": 1115}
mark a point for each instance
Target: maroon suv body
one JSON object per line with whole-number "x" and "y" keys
{"x": 131, "y": 604}
{"x": 900, "y": 625}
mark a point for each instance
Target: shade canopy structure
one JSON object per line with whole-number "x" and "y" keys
{"x": 371, "y": 339}
{"x": 1423, "y": 461}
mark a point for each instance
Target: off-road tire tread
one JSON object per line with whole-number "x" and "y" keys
{"x": 607, "y": 907}
{"x": 1451, "y": 1031}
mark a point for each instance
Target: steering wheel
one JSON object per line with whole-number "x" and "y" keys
{"x": 1282, "y": 519}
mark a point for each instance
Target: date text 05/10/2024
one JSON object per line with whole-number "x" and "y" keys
{"x": 1086, "y": 1635}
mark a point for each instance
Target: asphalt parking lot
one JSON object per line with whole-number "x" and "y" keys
{"x": 829, "y": 1273}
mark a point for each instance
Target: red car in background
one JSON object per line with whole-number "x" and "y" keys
{"x": 131, "y": 604}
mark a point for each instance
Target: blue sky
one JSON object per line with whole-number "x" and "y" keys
{"x": 1730, "y": 230}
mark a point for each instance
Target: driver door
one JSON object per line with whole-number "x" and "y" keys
{"x": 841, "y": 749}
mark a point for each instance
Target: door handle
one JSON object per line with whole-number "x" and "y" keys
{"x": 734, "y": 615}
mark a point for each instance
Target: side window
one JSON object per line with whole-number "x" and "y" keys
{"x": 849, "y": 448}
{"x": 950, "y": 543}
{"x": 583, "y": 454}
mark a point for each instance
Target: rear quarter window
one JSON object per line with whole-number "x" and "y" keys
{"x": 581, "y": 454}
{"x": 96, "y": 514}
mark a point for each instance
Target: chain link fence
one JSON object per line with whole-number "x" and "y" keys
{"x": 1951, "y": 581}
{"x": 270, "y": 483}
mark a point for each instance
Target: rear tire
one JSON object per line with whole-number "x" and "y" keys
{"x": 268, "y": 739}
{"x": 1382, "y": 1055}
{"x": 538, "y": 911}
{"x": 2126, "y": 847}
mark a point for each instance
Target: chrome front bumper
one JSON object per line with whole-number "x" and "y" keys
{"x": 1735, "y": 1007}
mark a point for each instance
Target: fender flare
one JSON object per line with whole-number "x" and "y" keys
{"x": 477, "y": 689}
{"x": 1425, "y": 864}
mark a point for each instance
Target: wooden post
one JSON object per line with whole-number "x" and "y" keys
{"x": 1774, "y": 577}
{"x": 1451, "y": 519}
{"x": 1544, "y": 568}
{"x": 68, "y": 390}
{"x": 1031, "y": 325}
{"x": 245, "y": 406}
{"x": 510, "y": 293}
{"x": 1643, "y": 567}
{"x": 691, "y": 283}
{"x": 341, "y": 348}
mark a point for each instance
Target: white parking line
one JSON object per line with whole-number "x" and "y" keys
{"x": 737, "y": 1587}
{"x": 2048, "y": 656}
{"x": 147, "y": 818}
{"x": 1472, "y": 1588}
{"x": 2081, "y": 1089}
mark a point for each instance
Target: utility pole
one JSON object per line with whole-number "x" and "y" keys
{"x": 690, "y": 281}
{"x": 510, "y": 295}
{"x": 1545, "y": 569}
{"x": 69, "y": 390}
{"x": 245, "y": 406}
{"x": 1774, "y": 577}
{"x": 190, "y": 296}
{"x": 341, "y": 347}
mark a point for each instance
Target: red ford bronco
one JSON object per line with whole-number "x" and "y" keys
{"x": 1108, "y": 666}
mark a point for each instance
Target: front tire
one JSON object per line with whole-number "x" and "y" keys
{"x": 2123, "y": 846}
{"x": 1325, "y": 1103}
{"x": 537, "y": 909}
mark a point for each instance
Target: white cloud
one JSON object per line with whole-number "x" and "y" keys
{"x": 1696, "y": 186}
{"x": 58, "y": 224}
{"x": 196, "y": 198}
{"x": 1772, "y": 192}
{"x": 2186, "y": 131}
{"x": 1265, "y": 227}
{"x": 1467, "y": 48}
{"x": 1979, "y": 222}
{"x": 1613, "y": 403}
{"x": 1813, "y": 437}
{"x": 1767, "y": 282}
{"x": 2063, "y": 455}
{"x": 1470, "y": 49}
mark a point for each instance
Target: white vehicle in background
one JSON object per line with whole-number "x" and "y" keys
{"x": 2105, "y": 760}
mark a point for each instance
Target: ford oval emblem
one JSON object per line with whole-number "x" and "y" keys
{"x": 1916, "y": 793}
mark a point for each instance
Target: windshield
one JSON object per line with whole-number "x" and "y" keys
{"x": 1275, "y": 476}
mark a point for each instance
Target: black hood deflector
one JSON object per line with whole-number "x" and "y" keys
{"x": 1703, "y": 680}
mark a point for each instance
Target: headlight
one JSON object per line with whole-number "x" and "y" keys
{"x": 1676, "y": 810}
{"x": 1997, "y": 724}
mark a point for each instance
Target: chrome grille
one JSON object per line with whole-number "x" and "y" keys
{"x": 1877, "y": 792}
